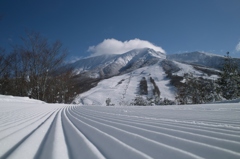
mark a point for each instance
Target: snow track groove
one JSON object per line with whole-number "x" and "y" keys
{"x": 164, "y": 138}
{"x": 40, "y": 131}
{"x": 155, "y": 129}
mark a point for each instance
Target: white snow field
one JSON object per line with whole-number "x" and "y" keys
{"x": 32, "y": 129}
{"x": 123, "y": 89}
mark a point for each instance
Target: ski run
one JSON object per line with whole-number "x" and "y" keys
{"x": 33, "y": 129}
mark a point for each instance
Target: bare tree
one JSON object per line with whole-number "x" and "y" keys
{"x": 4, "y": 71}
{"x": 37, "y": 66}
{"x": 2, "y": 62}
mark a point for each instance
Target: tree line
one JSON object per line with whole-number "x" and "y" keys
{"x": 35, "y": 69}
{"x": 143, "y": 99}
{"x": 196, "y": 90}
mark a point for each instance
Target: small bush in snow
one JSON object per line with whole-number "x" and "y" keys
{"x": 108, "y": 101}
{"x": 140, "y": 101}
{"x": 166, "y": 101}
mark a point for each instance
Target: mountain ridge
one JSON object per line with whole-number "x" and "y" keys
{"x": 118, "y": 76}
{"x": 201, "y": 58}
{"x": 108, "y": 65}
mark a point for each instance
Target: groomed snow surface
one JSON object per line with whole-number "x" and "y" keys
{"x": 32, "y": 129}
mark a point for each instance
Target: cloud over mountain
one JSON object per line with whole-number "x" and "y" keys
{"x": 113, "y": 46}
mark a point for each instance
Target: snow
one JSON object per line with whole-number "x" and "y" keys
{"x": 185, "y": 68}
{"x": 200, "y": 58}
{"x": 33, "y": 129}
{"x": 18, "y": 99}
{"x": 124, "y": 88}
{"x": 126, "y": 71}
{"x": 113, "y": 63}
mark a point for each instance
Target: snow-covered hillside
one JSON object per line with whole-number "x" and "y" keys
{"x": 36, "y": 130}
{"x": 124, "y": 88}
{"x": 186, "y": 68}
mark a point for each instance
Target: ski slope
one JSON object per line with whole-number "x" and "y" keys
{"x": 123, "y": 89}
{"x": 32, "y": 129}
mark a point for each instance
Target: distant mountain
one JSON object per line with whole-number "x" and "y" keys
{"x": 118, "y": 76}
{"x": 200, "y": 58}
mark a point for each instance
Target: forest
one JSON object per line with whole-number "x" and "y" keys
{"x": 36, "y": 69}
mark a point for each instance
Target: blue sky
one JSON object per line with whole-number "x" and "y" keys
{"x": 82, "y": 25}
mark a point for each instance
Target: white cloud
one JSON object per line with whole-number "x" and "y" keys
{"x": 238, "y": 47}
{"x": 113, "y": 46}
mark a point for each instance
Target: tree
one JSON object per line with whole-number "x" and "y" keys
{"x": 185, "y": 91}
{"x": 59, "y": 88}
{"x": 37, "y": 69}
{"x": 108, "y": 101}
{"x": 143, "y": 86}
{"x": 3, "y": 65}
{"x": 229, "y": 80}
{"x": 140, "y": 101}
{"x": 197, "y": 90}
{"x": 5, "y": 62}
{"x": 156, "y": 93}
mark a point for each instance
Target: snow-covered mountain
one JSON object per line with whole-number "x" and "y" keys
{"x": 200, "y": 58}
{"x": 109, "y": 65}
{"x": 118, "y": 76}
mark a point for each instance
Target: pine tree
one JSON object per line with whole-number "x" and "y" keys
{"x": 197, "y": 90}
{"x": 143, "y": 86}
{"x": 229, "y": 79}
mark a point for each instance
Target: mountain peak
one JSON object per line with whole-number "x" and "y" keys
{"x": 112, "y": 64}
{"x": 144, "y": 52}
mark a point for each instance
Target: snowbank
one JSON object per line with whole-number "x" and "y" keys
{"x": 14, "y": 99}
